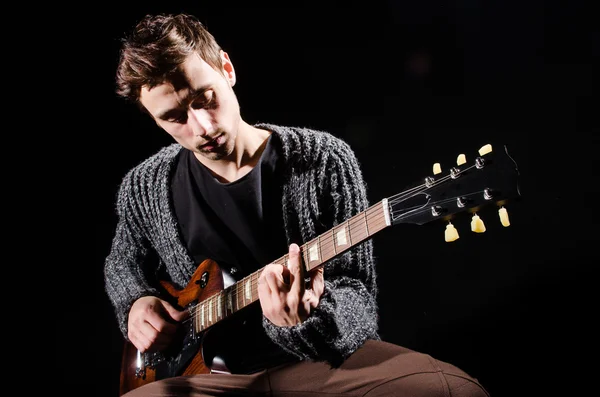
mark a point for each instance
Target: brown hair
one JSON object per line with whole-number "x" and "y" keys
{"x": 157, "y": 46}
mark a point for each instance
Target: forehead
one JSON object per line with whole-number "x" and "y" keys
{"x": 193, "y": 75}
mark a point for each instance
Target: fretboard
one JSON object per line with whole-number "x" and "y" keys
{"x": 315, "y": 253}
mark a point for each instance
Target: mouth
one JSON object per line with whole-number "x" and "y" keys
{"x": 216, "y": 141}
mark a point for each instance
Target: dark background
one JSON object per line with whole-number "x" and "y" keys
{"x": 407, "y": 84}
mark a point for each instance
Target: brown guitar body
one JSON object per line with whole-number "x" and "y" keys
{"x": 206, "y": 281}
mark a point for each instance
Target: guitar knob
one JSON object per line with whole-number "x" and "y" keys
{"x": 451, "y": 234}
{"x": 485, "y": 149}
{"x": 461, "y": 159}
{"x": 477, "y": 224}
{"x": 504, "y": 217}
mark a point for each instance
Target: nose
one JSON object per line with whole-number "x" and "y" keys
{"x": 201, "y": 122}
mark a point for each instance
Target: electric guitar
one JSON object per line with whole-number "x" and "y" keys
{"x": 490, "y": 179}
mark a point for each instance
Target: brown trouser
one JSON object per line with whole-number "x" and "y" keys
{"x": 376, "y": 369}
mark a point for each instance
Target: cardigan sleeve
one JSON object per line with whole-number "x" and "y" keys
{"x": 124, "y": 272}
{"x": 347, "y": 313}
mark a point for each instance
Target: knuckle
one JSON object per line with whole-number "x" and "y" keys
{"x": 280, "y": 307}
{"x": 293, "y": 301}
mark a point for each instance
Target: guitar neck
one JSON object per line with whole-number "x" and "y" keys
{"x": 344, "y": 236}
{"x": 315, "y": 253}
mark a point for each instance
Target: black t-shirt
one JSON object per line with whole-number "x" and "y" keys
{"x": 240, "y": 226}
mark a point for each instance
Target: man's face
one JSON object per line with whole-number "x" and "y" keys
{"x": 197, "y": 107}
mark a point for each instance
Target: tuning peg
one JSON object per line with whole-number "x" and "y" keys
{"x": 451, "y": 234}
{"x": 437, "y": 169}
{"x": 485, "y": 149}
{"x": 504, "y": 217}
{"x": 461, "y": 159}
{"x": 477, "y": 224}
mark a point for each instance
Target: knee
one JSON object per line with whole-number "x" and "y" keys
{"x": 429, "y": 384}
{"x": 463, "y": 386}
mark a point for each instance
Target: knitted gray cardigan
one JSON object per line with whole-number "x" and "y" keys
{"x": 324, "y": 187}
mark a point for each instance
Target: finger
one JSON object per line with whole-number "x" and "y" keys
{"x": 175, "y": 314}
{"x": 263, "y": 288}
{"x": 296, "y": 271}
{"x": 276, "y": 285}
{"x": 142, "y": 336}
{"x": 261, "y": 285}
{"x": 317, "y": 282}
{"x": 272, "y": 294}
{"x": 159, "y": 323}
{"x": 317, "y": 285}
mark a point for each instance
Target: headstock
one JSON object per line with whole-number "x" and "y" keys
{"x": 490, "y": 178}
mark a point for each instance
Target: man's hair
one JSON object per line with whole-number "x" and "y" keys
{"x": 157, "y": 46}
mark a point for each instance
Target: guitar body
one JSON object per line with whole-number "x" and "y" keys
{"x": 187, "y": 356}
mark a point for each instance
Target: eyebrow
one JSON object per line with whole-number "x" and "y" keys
{"x": 194, "y": 93}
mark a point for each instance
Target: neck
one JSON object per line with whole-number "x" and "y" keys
{"x": 249, "y": 145}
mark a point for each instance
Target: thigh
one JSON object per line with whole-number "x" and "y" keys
{"x": 376, "y": 369}
{"x": 206, "y": 385}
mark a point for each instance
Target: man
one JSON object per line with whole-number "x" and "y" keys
{"x": 242, "y": 195}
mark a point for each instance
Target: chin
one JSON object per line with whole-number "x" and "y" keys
{"x": 217, "y": 155}
{"x": 214, "y": 156}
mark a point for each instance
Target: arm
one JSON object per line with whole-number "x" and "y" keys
{"x": 124, "y": 273}
{"x": 144, "y": 310}
{"x": 346, "y": 315}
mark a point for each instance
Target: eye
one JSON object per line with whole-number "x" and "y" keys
{"x": 179, "y": 117}
{"x": 206, "y": 100}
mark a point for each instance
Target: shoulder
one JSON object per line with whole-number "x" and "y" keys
{"x": 307, "y": 144}
{"x": 153, "y": 168}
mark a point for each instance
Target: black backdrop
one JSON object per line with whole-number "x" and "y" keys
{"x": 406, "y": 85}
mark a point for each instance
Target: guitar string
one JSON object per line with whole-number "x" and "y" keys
{"x": 205, "y": 310}
{"x": 241, "y": 287}
{"x": 326, "y": 242}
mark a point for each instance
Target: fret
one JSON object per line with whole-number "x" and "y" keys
{"x": 201, "y": 316}
{"x": 197, "y": 318}
{"x": 220, "y": 306}
{"x": 333, "y": 240}
{"x": 241, "y": 294}
{"x": 357, "y": 233}
{"x": 247, "y": 292}
{"x": 257, "y": 273}
{"x": 254, "y": 286}
{"x": 349, "y": 233}
{"x": 326, "y": 249}
{"x": 320, "y": 249}
{"x": 229, "y": 300}
{"x": 257, "y": 277}
{"x": 237, "y": 297}
{"x": 313, "y": 252}
{"x": 379, "y": 212}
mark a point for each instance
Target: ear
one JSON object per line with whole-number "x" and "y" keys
{"x": 228, "y": 69}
